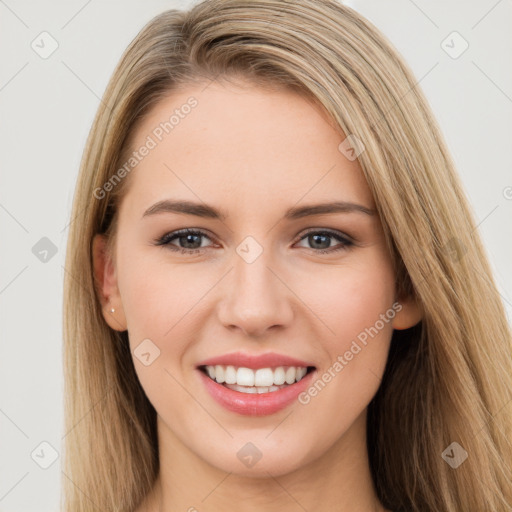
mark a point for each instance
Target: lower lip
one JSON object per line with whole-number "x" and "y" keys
{"x": 254, "y": 404}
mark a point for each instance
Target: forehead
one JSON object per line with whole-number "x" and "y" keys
{"x": 243, "y": 144}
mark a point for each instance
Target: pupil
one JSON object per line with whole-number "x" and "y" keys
{"x": 323, "y": 236}
{"x": 187, "y": 237}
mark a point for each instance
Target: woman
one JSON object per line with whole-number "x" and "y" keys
{"x": 217, "y": 357}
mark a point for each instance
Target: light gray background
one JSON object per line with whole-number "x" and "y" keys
{"x": 47, "y": 107}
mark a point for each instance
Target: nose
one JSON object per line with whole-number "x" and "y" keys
{"x": 256, "y": 297}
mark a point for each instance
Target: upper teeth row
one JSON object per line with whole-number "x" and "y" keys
{"x": 260, "y": 377}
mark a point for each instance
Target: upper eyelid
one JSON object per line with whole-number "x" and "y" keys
{"x": 333, "y": 232}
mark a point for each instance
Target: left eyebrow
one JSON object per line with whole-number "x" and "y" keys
{"x": 335, "y": 207}
{"x": 207, "y": 211}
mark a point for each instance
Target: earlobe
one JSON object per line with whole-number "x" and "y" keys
{"x": 105, "y": 279}
{"x": 409, "y": 314}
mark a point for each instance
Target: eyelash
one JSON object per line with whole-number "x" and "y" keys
{"x": 167, "y": 238}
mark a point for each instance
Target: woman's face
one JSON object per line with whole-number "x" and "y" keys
{"x": 274, "y": 273}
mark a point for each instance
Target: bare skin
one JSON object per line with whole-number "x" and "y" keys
{"x": 253, "y": 154}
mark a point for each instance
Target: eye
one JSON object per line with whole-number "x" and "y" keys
{"x": 321, "y": 238}
{"x": 191, "y": 238}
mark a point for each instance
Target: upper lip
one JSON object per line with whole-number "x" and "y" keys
{"x": 267, "y": 360}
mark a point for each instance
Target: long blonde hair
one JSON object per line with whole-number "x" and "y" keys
{"x": 448, "y": 379}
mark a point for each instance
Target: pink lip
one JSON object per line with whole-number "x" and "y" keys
{"x": 256, "y": 404}
{"x": 268, "y": 360}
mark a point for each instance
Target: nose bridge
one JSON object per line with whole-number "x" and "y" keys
{"x": 256, "y": 299}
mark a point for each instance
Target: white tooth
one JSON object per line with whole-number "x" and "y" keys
{"x": 230, "y": 375}
{"x": 219, "y": 374}
{"x": 264, "y": 377}
{"x": 254, "y": 389}
{"x": 290, "y": 375}
{"x": 242, "y": 389}
{"x": 279, "y": 376}
{"x": 245, "y": 377}
{"x": 300, "y": 373}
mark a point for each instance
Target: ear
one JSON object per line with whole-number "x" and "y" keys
{"x": 105, "y": 278}
{"x": 408, "y": 313}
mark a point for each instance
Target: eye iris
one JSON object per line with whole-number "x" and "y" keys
{"x": 314, "y": 237}
{"x": 189, "y": 236}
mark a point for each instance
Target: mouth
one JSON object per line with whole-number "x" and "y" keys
{"x": 255, "y": 381}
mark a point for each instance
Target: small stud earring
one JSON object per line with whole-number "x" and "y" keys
{"x": 112, "y": 310}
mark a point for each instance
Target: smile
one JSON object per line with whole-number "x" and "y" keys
{"x": 261, "y": 380}
{"x": 272, "y": 389}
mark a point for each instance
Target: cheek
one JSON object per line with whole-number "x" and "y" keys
{"x": 157, "y": 296}
{"x": 357, "y": 308}
{"x": 162, "y": 303}
{"x": 158, "y": 303}
{"x": 355, "y": 356}
{"x": 352, "y": 299}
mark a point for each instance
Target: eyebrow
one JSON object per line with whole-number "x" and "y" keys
{"x": 207, "y": 211}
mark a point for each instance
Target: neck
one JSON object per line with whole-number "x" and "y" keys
{"x": 339, "y": 480}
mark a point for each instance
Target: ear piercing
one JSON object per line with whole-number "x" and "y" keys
{"x": 112, "y": 310}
